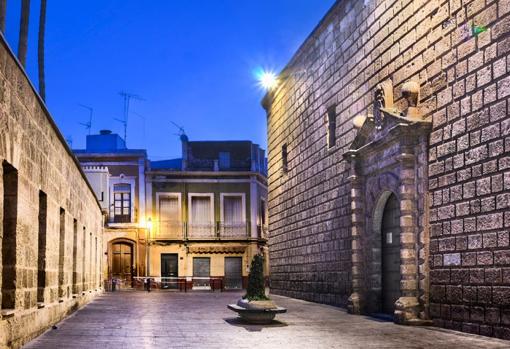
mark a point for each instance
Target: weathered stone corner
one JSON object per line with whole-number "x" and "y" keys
{"x": 354, "y": 304}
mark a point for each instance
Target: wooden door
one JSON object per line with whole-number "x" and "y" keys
{"x": 122, "y": 262}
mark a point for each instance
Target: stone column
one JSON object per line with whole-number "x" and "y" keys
{"x": 407, "y": 306}
{"x": 356, "y": 302}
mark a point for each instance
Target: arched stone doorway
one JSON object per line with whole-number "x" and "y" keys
{"x": 122, "y": 261}
{"x": 387, "y": 219}
{"x": 388, "y": 166}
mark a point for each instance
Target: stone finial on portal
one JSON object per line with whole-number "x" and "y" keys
{"x": 383, "y": 98}
{"x": 384, "y": 94}
{"x": 411, "y": 92}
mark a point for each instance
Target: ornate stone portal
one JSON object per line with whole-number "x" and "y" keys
{"x": 389, "y": 157}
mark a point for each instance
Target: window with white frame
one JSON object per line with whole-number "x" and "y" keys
{"x": 169, "y": 215}
{"x": 233, "y": 209}
{"x": 233, "y": 215}
{"x": 201, "y": 215}
{"x": 122, "y": 203}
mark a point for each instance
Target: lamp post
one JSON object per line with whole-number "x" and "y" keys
{"x": 148, "y": 254}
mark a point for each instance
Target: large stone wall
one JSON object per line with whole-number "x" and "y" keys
{"x": 464, "y": 89}
{"x": 49, "y": 184}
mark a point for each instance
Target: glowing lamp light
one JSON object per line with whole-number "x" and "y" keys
{"x": 149, "y": 223}
{"x": 267, "y": 79}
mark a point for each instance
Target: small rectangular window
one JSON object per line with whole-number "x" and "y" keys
{"x": 285, "y": 164}
{"x": 331, "y": 127}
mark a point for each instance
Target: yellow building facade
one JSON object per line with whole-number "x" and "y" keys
{"x": 189, "y": 223}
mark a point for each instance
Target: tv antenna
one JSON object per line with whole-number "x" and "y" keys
{"x": 88, "y": 125}
{"x": 127, "y": 98}
{"x": 180, "y": 128}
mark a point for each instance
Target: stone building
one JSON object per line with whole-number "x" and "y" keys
{"x": 51, "y": 221}
{"x": 209, "y": 213}
{"x": 389, "y": 164}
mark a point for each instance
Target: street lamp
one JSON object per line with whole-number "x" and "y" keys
{"x": 267, "y": 79}
{"x": 148, "y": 253}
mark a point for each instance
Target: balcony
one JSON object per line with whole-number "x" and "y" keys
{"x": 178, "y": 230}
{"x": 169, "y": 230}
{"x": 201, "y": 231}
{"x": 233, "y": 230}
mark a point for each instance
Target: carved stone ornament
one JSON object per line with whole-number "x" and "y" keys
{"x": 411, "y": 92}
{"x": 383, "y": 98}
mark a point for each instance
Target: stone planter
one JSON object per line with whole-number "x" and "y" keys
{"x": 257, "y": 312}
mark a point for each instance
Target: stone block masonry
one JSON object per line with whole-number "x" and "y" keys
{"x": 51, "y": 222}
{"x": 465, "y": 88}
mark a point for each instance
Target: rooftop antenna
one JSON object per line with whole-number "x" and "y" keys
{"x": 88, "y": 125}
{"x": 127, "y": 98}
{"x": 180, "y": 128}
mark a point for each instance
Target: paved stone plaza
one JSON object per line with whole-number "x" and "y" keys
{"x": 134, "y": 319}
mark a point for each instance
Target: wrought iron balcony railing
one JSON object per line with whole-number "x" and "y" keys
{"x": 169, "y": 230}
{"x": 201, "y": 231}
{"x": 179, "y": 230}
{"x": 233, "y": 230}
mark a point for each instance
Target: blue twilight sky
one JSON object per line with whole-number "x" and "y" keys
{"x": 193, "y": 62}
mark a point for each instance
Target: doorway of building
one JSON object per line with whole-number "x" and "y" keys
{"x": 201, "y": 272}
{"x": 169, "y": 270}
{"x": 122, "y": 263}
{"x": 233, "y": 273}
{"x": 390, "y": 256}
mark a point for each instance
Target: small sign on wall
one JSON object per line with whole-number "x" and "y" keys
{"x": 389, "y": 238}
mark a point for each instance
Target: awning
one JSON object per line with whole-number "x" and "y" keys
{"x": 217, "y": 249}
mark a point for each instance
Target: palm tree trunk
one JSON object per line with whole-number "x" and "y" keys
{"x": 23, "y": 32}
{"x": 3, "y": 11}
{"x": 40, "y": 50}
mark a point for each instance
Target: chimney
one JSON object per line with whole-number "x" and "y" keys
{"x": 184, "y": 143}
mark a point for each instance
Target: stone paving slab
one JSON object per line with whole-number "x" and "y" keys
{"x": 133, "y": 319}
